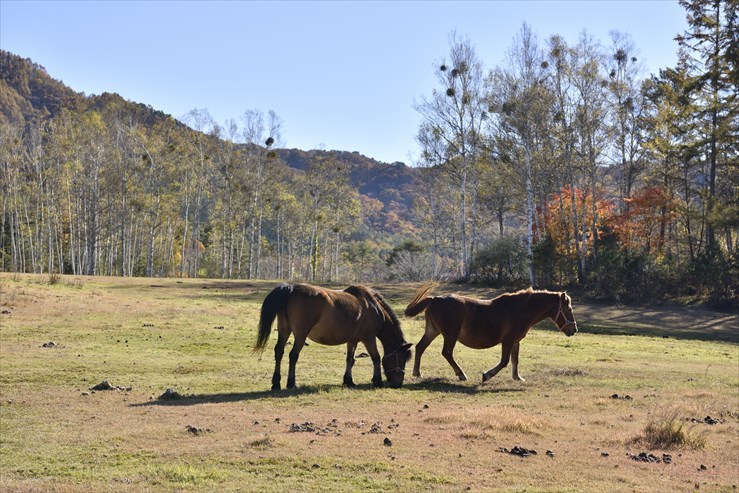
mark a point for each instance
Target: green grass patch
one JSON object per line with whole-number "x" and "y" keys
{"x": 195, "y": 336}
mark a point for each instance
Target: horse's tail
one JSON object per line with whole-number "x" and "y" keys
{"x": 420, "y": 302}
{"x": 272, "y": 304}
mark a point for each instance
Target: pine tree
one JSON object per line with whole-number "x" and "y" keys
{"x": 711, "y": 44}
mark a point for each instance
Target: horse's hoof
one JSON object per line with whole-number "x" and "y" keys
{"x": 463, "y": 377}
{"x": 378, "y": 383}
{"x": 484, "y": 378}
{"x": 519, "y": 379}
{"x": 276, "y": 386}
{"x": 349, "y": 384}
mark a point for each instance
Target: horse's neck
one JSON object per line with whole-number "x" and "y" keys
{"x": 541, "y": 306}
{"x": 390, "y": 337}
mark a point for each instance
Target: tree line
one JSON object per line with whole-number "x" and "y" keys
{"x": 566, "y": 165}
{"x": 96, "y": 192}
{"x": 620, "y": 182}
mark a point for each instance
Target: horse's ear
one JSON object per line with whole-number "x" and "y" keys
{"x": 407, "y": 347}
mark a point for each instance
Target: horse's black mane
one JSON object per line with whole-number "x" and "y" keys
{"x": 390, "y": 312}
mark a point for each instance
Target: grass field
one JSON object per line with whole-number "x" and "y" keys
{"x": 228, "y": 432}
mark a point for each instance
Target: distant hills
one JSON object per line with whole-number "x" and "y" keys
{"x": 29, "y": 94}
{"x": 392, "y": 184}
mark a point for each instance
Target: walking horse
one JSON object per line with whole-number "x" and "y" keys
{"x": 481, "y": 324}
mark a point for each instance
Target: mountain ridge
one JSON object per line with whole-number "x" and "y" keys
{"x": 28, "y": 93}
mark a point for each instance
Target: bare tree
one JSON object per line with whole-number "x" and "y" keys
{"x": 627, "y": 113}
{"x": 591, "y": 134}
{"x": 450, "y": 134}
{"x": 259, "y": 137}
{"x": 196, "y": 174}
{"x": 522, "y": 101}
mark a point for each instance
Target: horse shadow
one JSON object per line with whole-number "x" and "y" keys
{"x": 434, "y": 385}
{"x": 225, "y": 397}
{"x": 445, "y": 386}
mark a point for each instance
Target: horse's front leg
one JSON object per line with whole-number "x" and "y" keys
{"x": 428, "y": 337}
{"x": 448, "y": 352}
{"x": 371, "y": 346}
{"x": 350, "y": 348}
{"x": 514, "y": 361}
{"x": 504, "y": 358}
{"x": 298, "y": 343}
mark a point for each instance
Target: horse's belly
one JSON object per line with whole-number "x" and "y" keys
{"x": 478, "y": 339}
{"x": 329, "y": 337}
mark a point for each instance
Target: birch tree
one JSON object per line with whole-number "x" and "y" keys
{"x": 627, "y": 106}
{"x": 260, "y": 134}
{"x": 521, "y": 100}
{"x": 591, "y": 136}
{"x": 451, "y": 132}
{"x": 195, "y": 174}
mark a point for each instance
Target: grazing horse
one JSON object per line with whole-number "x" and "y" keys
{"x": 326, "y": 316}
{"x": 481, "y": 324}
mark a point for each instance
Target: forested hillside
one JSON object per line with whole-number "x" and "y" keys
{"x": 50, "y": 131}
{"x": 564, "y": 166}
{"x": 27, "y": 92}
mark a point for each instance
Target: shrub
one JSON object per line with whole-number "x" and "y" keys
{"x": 415, "y": 266}
{"x": 502, "y": 263}
{"x": 667, "y": 432}
{"x": 627, "y": 275}
{"x": 714, "y": 276}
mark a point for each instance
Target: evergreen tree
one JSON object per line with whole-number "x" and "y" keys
{"x": 711, "y": 46}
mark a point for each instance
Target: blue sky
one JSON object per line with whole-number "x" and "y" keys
{"x": 341, "y": 74}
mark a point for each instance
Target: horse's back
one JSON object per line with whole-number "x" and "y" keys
{"x": 449, "y": 312}
{"x": 469, "y": 320}
{"x": 327, "y": 316}
{"x": 305, "y": 306}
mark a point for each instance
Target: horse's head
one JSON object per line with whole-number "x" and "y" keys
{"x": 391, "y": 335}
{"x": 564, "y": 318}
{"x": 393, "y": 364}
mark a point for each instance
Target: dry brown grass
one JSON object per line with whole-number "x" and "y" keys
{"x": 670, "y": 431}
{"x": 444, "y": 435}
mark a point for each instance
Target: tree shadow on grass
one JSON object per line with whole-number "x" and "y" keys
{"x": 437, "y": 385}
{"x": 706, "y": 333}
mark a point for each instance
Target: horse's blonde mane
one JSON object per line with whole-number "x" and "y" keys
{"x": 530, "y": 290}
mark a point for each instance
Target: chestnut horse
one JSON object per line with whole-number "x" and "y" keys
{"x": 481, "y": 324}
{"x": 357, "y": 314}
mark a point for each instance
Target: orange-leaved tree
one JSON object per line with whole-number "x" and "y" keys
{"x": 644, "y": 226}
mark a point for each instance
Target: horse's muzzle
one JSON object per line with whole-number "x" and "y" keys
{"x": 570, "y": 329}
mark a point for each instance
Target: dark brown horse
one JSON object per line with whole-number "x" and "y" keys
{"x": 482, "y": 324}
{"x": 357, "y": 314}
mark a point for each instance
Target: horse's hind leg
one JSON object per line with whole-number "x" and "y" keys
{"x": 514, "y": 361}
{"x": 428, "y": 337}
{"x": 283, "y": 332}
{"x": 504, "y": 358}
{"x": 298, "y": 343}
{"x": 448, "y": 353}
{"x": 350, "y": 348}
